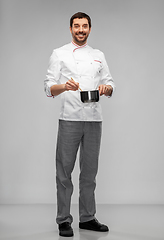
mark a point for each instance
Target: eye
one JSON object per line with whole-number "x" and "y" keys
{"x": 85, "y": 26}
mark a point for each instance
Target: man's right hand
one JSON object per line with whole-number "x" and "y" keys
{"x": 71, "y": 85}
{"x": 60, "y": 88}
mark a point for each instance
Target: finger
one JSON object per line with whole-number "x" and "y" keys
{"x": 69, "y": 86}
{"x": 106, "y": 90}
{"x": 100, "y": 90}
{"x": 73, "y": 83}
{"x": 72, "y": 86}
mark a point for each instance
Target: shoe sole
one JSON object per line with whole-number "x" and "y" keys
{"x": 92, "y": 229}
{"x": 66, "y": 234}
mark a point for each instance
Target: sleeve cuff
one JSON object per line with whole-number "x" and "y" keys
{"x": 47, "y": 89}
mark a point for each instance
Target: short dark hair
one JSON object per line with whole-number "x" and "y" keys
{"x": 80, "y": 15}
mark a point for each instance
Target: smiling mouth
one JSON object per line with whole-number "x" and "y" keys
{"x": 80, "y": 35}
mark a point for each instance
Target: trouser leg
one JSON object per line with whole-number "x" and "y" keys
{"x": 69, "y": 137}
{"x": 89, "y": 154}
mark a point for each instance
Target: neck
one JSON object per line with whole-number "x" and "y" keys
{"x": 79, "y": 43}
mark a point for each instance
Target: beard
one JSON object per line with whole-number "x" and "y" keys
{"x": 80, "y": 40}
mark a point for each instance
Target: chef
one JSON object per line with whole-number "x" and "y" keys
{"x": 72, "y": 67}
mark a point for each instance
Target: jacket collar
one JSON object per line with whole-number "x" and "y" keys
{"x": 75, "y": 46}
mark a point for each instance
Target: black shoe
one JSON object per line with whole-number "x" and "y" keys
{"x": 65, "y": 229}
{"x": 94, "y": 225}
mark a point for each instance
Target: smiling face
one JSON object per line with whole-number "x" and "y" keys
{"x": 80, "y": 31}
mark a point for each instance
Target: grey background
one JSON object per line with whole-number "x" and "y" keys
{"x": 131, "y": 35}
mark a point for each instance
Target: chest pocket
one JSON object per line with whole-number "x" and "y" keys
{"x": 97, "y": 65}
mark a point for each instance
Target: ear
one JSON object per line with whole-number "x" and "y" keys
{"x": 90, "y": 30}
{"x": 70, "y": 28}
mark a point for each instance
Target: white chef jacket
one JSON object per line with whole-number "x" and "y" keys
{"x": 88, "y": 67}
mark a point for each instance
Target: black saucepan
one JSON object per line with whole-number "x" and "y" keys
{"x": 89, "y": 96}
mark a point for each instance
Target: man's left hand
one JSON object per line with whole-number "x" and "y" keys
{"x": 105, "y": 90}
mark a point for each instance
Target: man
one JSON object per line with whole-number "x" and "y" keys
{"x": 74, "y": 66}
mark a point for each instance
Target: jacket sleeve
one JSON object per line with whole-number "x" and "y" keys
{"x": 106, "y": 77}
{"x": 53, "y": 73}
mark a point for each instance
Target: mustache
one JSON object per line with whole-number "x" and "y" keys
{"x": 80, "y": 33}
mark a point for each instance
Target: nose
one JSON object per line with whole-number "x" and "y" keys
{"x": 80, "y": 29}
